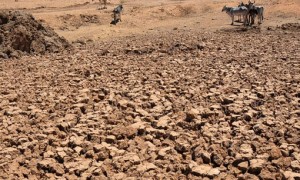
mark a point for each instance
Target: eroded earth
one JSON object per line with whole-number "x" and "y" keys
{"x": 180, "y": 104}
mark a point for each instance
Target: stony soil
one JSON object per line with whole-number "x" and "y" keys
{"x": 172, "y": 105}
{"x": 21, "y": 34}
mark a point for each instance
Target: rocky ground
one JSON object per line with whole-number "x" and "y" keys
{"x": 172, "y": 105}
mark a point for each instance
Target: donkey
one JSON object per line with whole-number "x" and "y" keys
{"x": 236, "y": 11}
{"x": 117, "y": 14}
{"x": 260, "y": 13}
{"x": 254, "y": 11}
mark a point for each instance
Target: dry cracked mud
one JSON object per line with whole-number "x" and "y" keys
{"x": 171, "y": 105}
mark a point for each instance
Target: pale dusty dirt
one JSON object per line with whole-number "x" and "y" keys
{"x": 146, "y": 17}
{"x": 174, "y": 92}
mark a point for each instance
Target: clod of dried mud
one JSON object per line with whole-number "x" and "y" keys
{"x": 21, "y": 34}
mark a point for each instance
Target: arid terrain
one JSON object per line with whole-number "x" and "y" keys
{"x": 173, "y": 91}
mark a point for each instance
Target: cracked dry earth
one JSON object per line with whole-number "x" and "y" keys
{"x": 175, "y": 105}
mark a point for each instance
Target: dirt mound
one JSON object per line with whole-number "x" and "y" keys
{"x": 21, "y": 34}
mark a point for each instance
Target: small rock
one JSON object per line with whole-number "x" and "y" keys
{"x": 174, "y": 135}
{"x": 58, "y": 168}
{"x": 146, "y": 167}
{"x": 64, "y": 126}
{"x": 247, "y": 176}
{"x": 213, "y": 172}
{"x": 256, "y": 166}
{"x": 61, "y": 154}
{"x": 205, "y": 170}
{"x": 206, "y": 157}
{"x": 142, "y": 112}
{"x": 154, "y": 98}
{"x": 297, "y": 125}
{"x": 217, "y": 159}
{"x": 227, "y": 100}
{"x": 163, "y": 152}
{"x": 206, "y": 112}
{"x": 192, "y": 114}
{"x": 89, "y": 154}
{"x": 201, "y": 170}
{"x": 110, "y": 139}
{"x": 182, "y": 146}
{"x": 291, "y": 175}
{"x": 84, "y": 99}
{"x": 201, "y": 45}
{"x": 246, "y": 151}
{"x": 3, "y": 55}
{"x": 9, "y": 151}
{"x": 282, "y": 162}
{"x": 295, "y": 165}
{"x": 243, "y": 166}
{"x": 267, "y": 175}
{"x": 275, "y": 153}
{"x": 82, "y": 166}
{"x": 50, "y": 165}
{"x": 123, "y": 103}
{"x": 129, "y": 131}
{"x": 133, "y": 158}
{"x": 163, "y": 122}
{"x": 45, "y": 162}
{"x": 48, "y": 154}
{"x": 248, "y": 116}
{"x": 119, "y": 176}
{"x": 296, "y": 156}
{"x": 78, "y": 149}
{"x": 12, "y": 97}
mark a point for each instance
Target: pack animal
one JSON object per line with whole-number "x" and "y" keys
{"x": 240, "y": 17}
{"x": 260, "y": 13}
{"x": 255, "y": 11}
{"x": 236, "y": 11}
{"x": 117, "y": 13}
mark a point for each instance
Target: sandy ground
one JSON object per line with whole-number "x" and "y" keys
{"x": 144, "y": 17}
